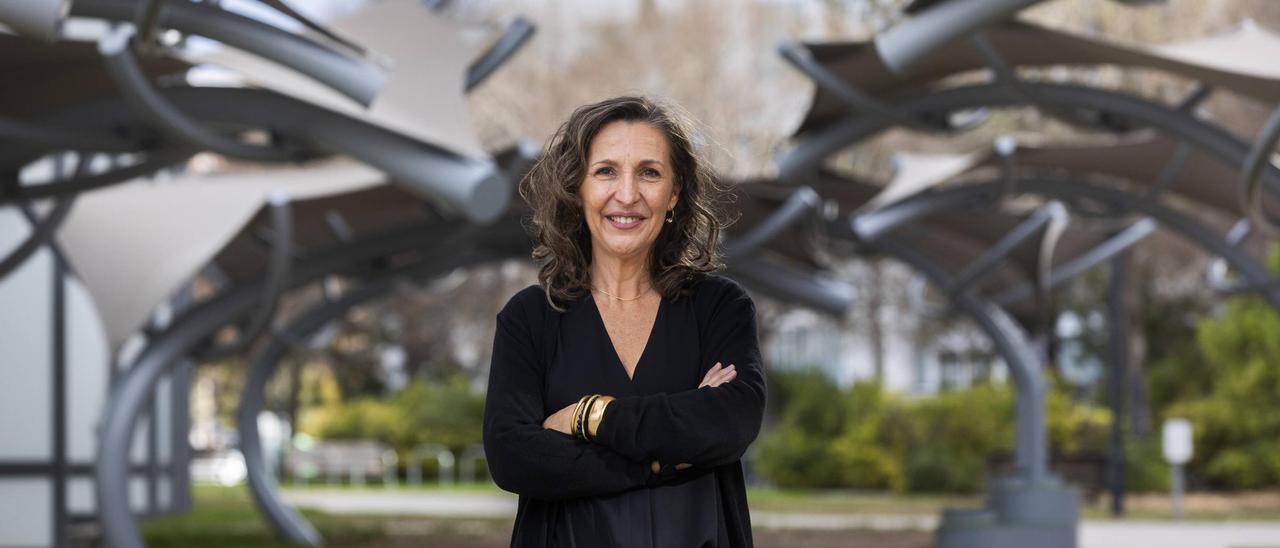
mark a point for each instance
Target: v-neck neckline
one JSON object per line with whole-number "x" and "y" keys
{"x": 648, "y": 343}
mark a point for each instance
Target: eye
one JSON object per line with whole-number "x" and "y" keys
{"x": 650, "y": 173}
{"x": 604, "y": 171}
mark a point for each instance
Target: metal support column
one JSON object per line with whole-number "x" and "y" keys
{"x": 1118, "y": 372}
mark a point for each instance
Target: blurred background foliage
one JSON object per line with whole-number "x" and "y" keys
{"x": 448, "y": 412}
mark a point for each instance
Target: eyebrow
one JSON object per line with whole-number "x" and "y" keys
{"x": 642, "y": 162}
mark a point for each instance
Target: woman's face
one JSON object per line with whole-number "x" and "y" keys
{"x": 628, "y": 189}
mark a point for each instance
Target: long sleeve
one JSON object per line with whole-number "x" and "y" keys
{"x": 526, "y": 458}
{"x": 705, "y": 427}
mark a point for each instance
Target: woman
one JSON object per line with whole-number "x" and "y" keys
{"x": 627, "y": 385}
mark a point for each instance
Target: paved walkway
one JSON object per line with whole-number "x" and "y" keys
{"x": 1093, "y": 534}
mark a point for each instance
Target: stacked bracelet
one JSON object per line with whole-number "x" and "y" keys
{"x": 587, "y": 414}
{"x": 595, "y": 413}
{"x": 581, "y": 419}
{"x": 574, "y": 420}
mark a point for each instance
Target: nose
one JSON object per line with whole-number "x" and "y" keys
{"x": 628, "y": 189}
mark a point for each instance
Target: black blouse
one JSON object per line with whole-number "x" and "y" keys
{"x": 603, "y": 493}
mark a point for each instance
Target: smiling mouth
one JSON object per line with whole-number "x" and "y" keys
{"x": 624, "y": 220}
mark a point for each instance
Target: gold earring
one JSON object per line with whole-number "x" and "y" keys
{"x": 671, "y": 215}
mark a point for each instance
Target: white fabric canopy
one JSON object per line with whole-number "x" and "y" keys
{"x": 134, "y": 244}
{"x": 1249, "y": 50}
{"x": 916, "y": 172}
{"x": 427, "y": 59}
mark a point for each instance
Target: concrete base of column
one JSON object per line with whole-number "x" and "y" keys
{"x": 1019, "y": 513}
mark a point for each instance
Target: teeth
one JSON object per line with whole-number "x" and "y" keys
{"x": 625, "y": 220}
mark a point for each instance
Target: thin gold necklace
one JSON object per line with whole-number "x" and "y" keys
{"x": 643, "y": 293}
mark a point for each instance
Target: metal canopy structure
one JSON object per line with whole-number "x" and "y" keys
{"x": 102, "y": 132}
{"x": 373, "y": 176}
{"x": 1138, "y": 179}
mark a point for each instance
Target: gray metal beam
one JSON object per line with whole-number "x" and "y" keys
{"x": 42, "y": 232}
{"x": 1195, "y": 232}
{"x": 278, "y": 274}
{"x": 1031, "y": 445}
{"x": 262, "y": 482}
{"x": 802, "y": 201}
{"x": 117, "y": 49}
{"x": 514, "y": 38}
{"x": 133, "y": 389}
{"x": 1117, "y": 374}
{"x": 1182, "y": 126}
{"x": 155, "y": 161}
{"x": 472, "y": 188}
{"x": 993, "y": 256}
{"x": 1251, "y": 200}
{"x": 61, "y": 138}
{"x": 858, "y": 101}
{"x": 1118, "y": 243}
{"x": 826, "y": 295}
{"x": 355, "y": 78}
{"x": 903, "y": 45}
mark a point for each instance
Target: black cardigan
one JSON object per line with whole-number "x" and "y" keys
{"x": 603, "y": 493}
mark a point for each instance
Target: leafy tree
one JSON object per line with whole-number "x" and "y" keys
{"x": 1237, "y": 419}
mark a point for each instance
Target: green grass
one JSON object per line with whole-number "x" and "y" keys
{"x": 481, "y": 487}
{"x": 838, "y": 501}
{"x": 225, "y": 516}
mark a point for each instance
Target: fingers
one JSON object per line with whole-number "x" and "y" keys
{"x": 711, "y": 375}
{"x": 719, "y": 375}
{"x": 727, "y": 374}
{"x": 657, "y": 466}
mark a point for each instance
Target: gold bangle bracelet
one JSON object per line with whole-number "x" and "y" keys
{"x": 573, "y": 418}
{"x": 595, "y": 414}
{"x": 582, "y": 417}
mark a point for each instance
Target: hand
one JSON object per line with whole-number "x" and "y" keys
{"x": 718, "y": 375}
{"x": 656, "y": 466}
{"x": 562, "y": 420}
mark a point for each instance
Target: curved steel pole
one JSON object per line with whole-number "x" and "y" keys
{"x": 1031, "y": 440}
{"x": 802, "y": 201}
{"x": 277, "y": 277}
{"x": 1190, "y": 229}
{"x": 1026, "y": 376}
{"x": 155, "y": 161}
{"x": 471, "y": 188}
{"x": 1179, "y": 125}
{"x": 60, "y": 138}
{"x": 1107, "y": 249}
{"x": 905, "y": 44}
{"x": 262, "y": 482}
{"x": 1251, "y": 185}
{"x": 116, "y": 48}
{"x": 287, "y": 522}
{"x": 514, "y": 38}
{"x": 798, "y": 56}
{"x": 778, "y": 281}
{"x": 357, "y": 79}
{"x": 111, "y": 472}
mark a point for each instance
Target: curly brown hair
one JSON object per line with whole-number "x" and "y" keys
{"x": 686, "y": 249}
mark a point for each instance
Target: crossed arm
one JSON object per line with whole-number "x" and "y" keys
{"x": 532, "y": 455}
